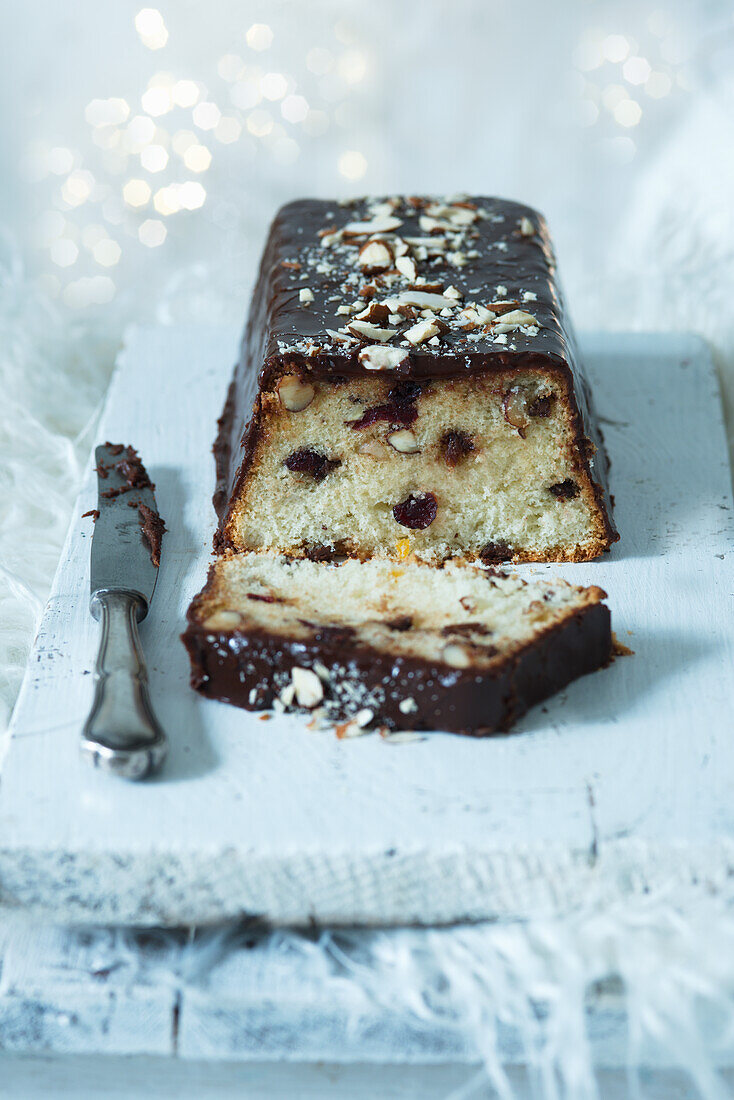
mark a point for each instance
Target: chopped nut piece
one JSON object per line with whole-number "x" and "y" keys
{"x": 404, "y": 441}
{"x": 432, "y": 225}
{"x": 287, "y": 695}
{"x": 424, "y": 330}
{"x": 517, "y": 318}
{"x": 452, "y": 292}
{"x": 378, "y": 357}
{"x": 461, "y": 216}
{"x": 406, "y": 267}
{"x": 515, "y": 410}
{"x": 305, "y": 295}
{"x": 223, "y": 620}
{"x": 295, "y": 395}
{"x": 307, "y": 687}
{"x": 375, "y": 449}
{"x": 408, "y": 706}
{"x": 376, "y": 312}
{"x": 419, "y": 298}
{"x": 380, "y": 224}
{"x": 375, "y": 256}
{"x": 500, "y": 308}
{"x": 365, "y": 331}
{"x": 527, "y": 229}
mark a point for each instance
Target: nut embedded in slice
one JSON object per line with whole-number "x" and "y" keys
{"x": 375, "y": 449}
{"x": 456, "y": 655}
{"x": 515, "y": 410}
{"x": 295, "y": 395}
{"x": 223, "y": 620}
{"x": 404, "y": 441}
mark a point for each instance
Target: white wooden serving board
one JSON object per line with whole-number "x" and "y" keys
{"x": 623, "y": 783}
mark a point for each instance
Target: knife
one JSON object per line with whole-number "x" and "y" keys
{"x": 122, "y": 734}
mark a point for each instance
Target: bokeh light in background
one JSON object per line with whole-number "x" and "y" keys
{"x": 181, "y": 128}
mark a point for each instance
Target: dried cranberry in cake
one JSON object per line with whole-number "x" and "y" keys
{"x": 455, "y": 445}
{"x": 405, "y": 392}
{"x": 312, "y": 463}
{"x": 564, "y": 490}
{"x": 403, "y": 623}
{"x": 541, "y": 406}
{"x": 492, "y": 553}
{"x": 417, "y": 511}
{"x": 320, "y": 552}
{"x": 393, "y": 413}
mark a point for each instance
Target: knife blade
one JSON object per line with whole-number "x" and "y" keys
{"x": 122, "y": 733}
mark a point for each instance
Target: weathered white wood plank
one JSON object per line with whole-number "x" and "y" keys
{"x": 622, "y": 783}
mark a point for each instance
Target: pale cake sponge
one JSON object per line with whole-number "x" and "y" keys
{"x": 486, "y": 467}
{"x": 408, "y": 645}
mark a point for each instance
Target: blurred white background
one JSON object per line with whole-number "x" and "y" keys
{"x": 144, "y": 151}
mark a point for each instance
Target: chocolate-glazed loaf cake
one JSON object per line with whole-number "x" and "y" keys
{"x": 406, "y": 646}
{"x": 409, "y": 382}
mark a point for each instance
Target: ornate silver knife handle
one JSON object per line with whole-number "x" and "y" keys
{"x": 122, "y": 734}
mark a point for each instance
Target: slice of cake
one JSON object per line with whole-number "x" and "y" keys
{"x": 407, "y": 646}
{"x": 409, "y": 381}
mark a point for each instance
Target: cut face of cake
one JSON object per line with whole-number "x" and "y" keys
{"x": 409, "y": 382}
{"x": 408, "y": 646}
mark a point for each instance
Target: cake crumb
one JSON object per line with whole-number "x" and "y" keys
{"x": 619, "y": 649}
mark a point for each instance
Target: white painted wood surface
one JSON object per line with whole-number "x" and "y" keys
{"x": 621, "y": 784}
